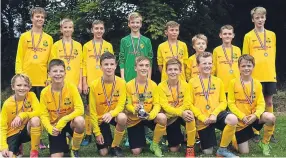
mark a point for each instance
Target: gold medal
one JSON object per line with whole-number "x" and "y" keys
{"x": 208, "y": 107}
{"x": 266, "y": 54}
{"x": 35, "y": 56}
{"x": 68, "y": 68}
{"x": 97, "y": 66}
{"x": 231, "y": 71}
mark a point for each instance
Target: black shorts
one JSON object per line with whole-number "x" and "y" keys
{"x": 174, "y": 133}
{"x": 247, "y": 133}
{"x": 37, "y": 90}
{"x": 106, "y": 133}
{"x": 136, "y": 134}
{"x": 58, "y": 144}
{"x": 16, "y": 140}
{"x": 269, "y": 88}
{"x": 208, "y": 136}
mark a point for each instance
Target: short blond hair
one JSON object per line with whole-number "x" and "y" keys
{"x": 38, "y": 10}
{"x": 134, "y": 15}
{"x": 141, "y": 58}
{"x": 23, "y": 76}
{"x": 199, "y": 36}
{"x": 64, "y": 21}
{"x": 174, "y": 61}
{"x": 171, "y": 24}
{"x": 203, "y": 55}
{"x": 228, "y": 27}
{"x": 258, "y": 10}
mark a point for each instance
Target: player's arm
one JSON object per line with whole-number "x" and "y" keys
{"x": 35, "y": 106}
{"x": 93, "y": 112}
{"x": 121, "y": 101}
{"x": 222, "y": 101}
{"x": 122, "y": 58}
{"x": 185, "y": 57}
{"x": 81, "y": 69}
{"x": 22, "y": 45}
{"x": 246, "y": 47}
{"x": 84, "y": 70}
{"x": 45, "y": 118}
{"x": 188, "y": 69}
{"x": 78, "y": 109}
{"x": 53, "y": 53}
{"x": 160, "y": 59}
{"x": 156, "y": 105}
{"x": 3, "y": 128}
{"x": 129, "y": 103}
{"x": 214, "y": 69}
{"x": 231, "y": 101}
{"x": 260, "y": 107}
{"x": 150, "y": 56}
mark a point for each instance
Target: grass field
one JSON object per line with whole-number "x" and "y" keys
{"x": 278, "y": 150}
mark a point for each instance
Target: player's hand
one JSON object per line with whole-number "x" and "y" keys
{"x": 212, "y": 118}
{"x": 85, "y": 88}
{"x": 207, "y": 121}
{"x": 245, "y": 120}
{"x": 251, "y": 118}
{"x": 137, "y": 107}
{"x": 107, "y": 117}
{"x": 188, "y": 116}
{"x": 100, "y": 139}
{"x": 17, "y": 122}
{"x": 79, "y": 88}
{"x": 55, "y": 131}
{"x": 7, "y": 153}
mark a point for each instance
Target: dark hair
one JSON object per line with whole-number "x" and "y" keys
{"x": 56, "y": 62}
{"x": 107, "y": 55}
{"x": 174, "y": 61}
{"x": 246, "y": 57}
{"x": 203, "y": 55}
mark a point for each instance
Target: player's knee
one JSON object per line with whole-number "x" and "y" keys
{"x": 243, "y": 150}
{"x": 161, "y": 119}
{"x": 79, "y": 122}
{"x": 174, "y": 149}
{"x": 35, "y": 122}
{"x": 208, "y": 151}
{"x": 270, "y": 118}
{"x": 103, "y": 152}
{"x": 122, "y": 119}
{"x": 136, "y": 151}
{"x": 231, "y": 119}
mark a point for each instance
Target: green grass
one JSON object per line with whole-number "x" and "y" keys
{"x": 278, "y": 150}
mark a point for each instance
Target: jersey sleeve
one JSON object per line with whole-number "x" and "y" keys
{"x": 245, "y": 48}
{"x": 3, "y": 128}
{"x": 78, "y": 109}
{"x": 121, "y": 101}
{"x": 186, "y": 54}
{"x": 150, "y": 52}
{"x": 188, "y": 69}
{"x": 260, "y": 103}
{"x": 93, "y": 112}
{"x": 222, "y": 100}
{"x": 129, "y": 103}
{"x": 52, "y": 55}
{"x": 231, "y": 101}
{"x": 84, "y": 60}
{"x": 159, "y": 56}
{"x": 45, "y": 119}
{"x": 36, "y": 108}
{"x": 20, "y": 55}
{"x": 156, "y": 105}
{"x": 122, "y": 54}
{"x": 214, "y": 70}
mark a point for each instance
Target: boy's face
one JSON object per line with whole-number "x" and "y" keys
{"x": 142, "y": 68}
{"x": 200, "y": 45}
{"x": 226, "y": 35}
{"x": 245, "y": 68}
{"x": 172, "y": 32}
{"x": 205, "y": 65}
{"x": 259, "y": 20}
{"x": 108, "y": 67}
{"x": 38, "y": 19}
{"x": 135, "y": 24}
{"x": 173, "y": 71}
{"x": 98, "y": 30}
{"x": 21, "y": 87}
{"x": 67, "y": 29}
{"x": 57, "y": 74}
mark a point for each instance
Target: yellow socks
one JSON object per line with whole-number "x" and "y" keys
{"x": 76, "y": 139}
{"x": 158, "y": 133}
{"x": 117, "y": 138}
{"x": 191, "y": 133}
{"x": 268, "y": 132}
{"x": 35, "y": 137}
{"x": 269, "y": 108}
{"x": 227, "y": 135}
{"x": 87, "y": 125}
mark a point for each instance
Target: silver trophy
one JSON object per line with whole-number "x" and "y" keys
{"x": 141, "y": 111}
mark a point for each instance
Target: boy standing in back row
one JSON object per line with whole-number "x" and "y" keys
{"x": 261, "y": 44}
{"x": 133, "y": 45}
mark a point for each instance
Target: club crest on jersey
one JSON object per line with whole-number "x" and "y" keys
{"x": 141, "y": 46}
{"x": 105, "y": 49}
{"x": 67, "y": 101}
{"x": 181, "y": 95}
{"x": 235, "y": 56}
{"x": 27, "y": 104}
{"x": 45, "y": 43}
{"x": 75, "y": 52}
{"x": 213, "y": 87}
{"x": 116, "y": 93}
{"x": 181, "y": 52}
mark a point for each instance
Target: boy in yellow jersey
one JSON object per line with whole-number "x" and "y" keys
{"x": 225, "y": 57}
{"x": 92, "y": 51}
{"x": 107, "y": 98}
{"x": 20, "y": 120}
{"x": 62, "y": 108}
{"x": 208, "y": 96}
{"x": 132, "y": 46}
{"x": 34, "y": 52}
{"x": 261, "y": 44}
{"x": 172, "y": 48}
{"x": 199, "y": 43}
{"x": 143, "y": 109}
{"x": 176, "y": 103}
{"x": 246, "y": 101}
{"x": 70, "y": 51}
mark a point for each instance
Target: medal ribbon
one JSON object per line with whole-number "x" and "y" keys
{"x": 177, "y": 89}
{"x": 263, "y": 45}
{"x": 206, "y": 93}
{"x": 137, "y": 89}
{"x": 171, "y": 49}
{"x": 68, "y": 57}
{"x": 249, "y": 98}
{"x": 17, "y": 104}
{"x": 60, "y": 99}
{"x": 104, "y": 91}
{"x": 138, "y": 43}
{"x": 97, "y": 55}
{"x": 33, "y": 42}
{"x": 230, "y": 62}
